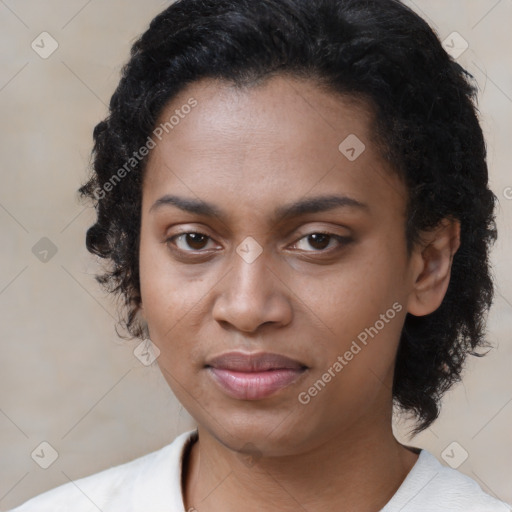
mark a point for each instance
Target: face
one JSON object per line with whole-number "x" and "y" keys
{"x": 273, "y": 265}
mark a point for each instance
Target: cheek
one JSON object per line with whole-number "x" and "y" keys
{"x": 358, "y": 359}
{"x": 165, "y": 291}
{"x": 361, "y": 307}
{"x": 162, "y": 292}
{"x": 173, "y": 301}
{"x": 354, "y": 295}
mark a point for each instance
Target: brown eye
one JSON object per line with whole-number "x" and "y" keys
{"x": 322, "y": 241}
{"x": 189, "y": 242}
{"x": 319, "y": 240}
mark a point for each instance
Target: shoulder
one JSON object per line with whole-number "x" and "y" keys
{"x": 148, "y": 482}
{"x": 432, "y": 487}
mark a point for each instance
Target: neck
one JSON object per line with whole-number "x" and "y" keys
{"x": 360, "y": 468}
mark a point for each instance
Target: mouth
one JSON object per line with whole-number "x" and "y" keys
{"x": 254, "y": 376}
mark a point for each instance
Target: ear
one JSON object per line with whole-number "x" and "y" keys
{"x": 431, "y": 263}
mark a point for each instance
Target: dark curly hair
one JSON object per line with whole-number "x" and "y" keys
{"x": 425, "y": 121}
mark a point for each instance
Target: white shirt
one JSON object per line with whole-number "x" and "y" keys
{"x": 152, "y": 483}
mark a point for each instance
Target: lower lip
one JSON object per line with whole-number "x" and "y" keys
{"x": 254, "y": 385}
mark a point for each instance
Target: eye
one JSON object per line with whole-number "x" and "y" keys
{"x": 193, "y": 240}
{"x": 197, "y": 242}
{"x": 322, "y": 241}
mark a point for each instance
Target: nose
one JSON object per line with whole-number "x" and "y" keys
{"x": 251, "y": 295}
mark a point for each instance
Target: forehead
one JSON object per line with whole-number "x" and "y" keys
{"x": 267, "y": 144}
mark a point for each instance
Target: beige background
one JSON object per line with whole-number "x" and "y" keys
{"x": 66, "y": 378}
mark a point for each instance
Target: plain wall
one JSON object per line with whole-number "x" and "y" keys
{"x": 66, "y": 378}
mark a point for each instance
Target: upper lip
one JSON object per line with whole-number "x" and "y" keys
{"x": 256, "y": 362}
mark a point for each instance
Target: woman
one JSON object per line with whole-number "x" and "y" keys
{"x": 291, "y": 195}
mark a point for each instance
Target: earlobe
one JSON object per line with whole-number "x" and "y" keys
{"x": 433, "y": 262}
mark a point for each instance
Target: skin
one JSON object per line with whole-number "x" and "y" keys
{"x": 249, "y": 152}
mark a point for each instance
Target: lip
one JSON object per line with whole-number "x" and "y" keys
{"x": 254, "y": 376}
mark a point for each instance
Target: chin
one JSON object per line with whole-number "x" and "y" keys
{"x": 268, "y": 433}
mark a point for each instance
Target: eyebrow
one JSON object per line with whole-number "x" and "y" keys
{"x": 285, "y": 212}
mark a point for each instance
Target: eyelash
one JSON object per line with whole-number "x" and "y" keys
{"x": 342, "y": 240}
